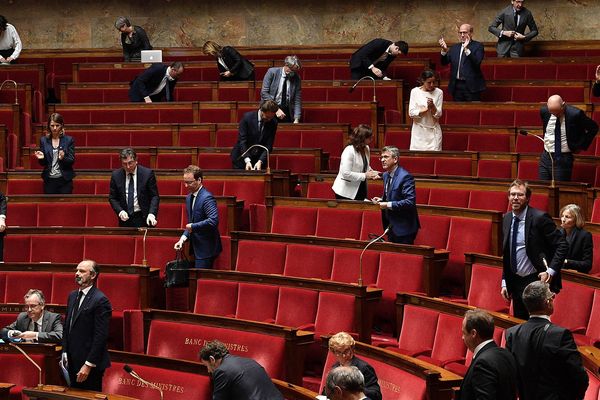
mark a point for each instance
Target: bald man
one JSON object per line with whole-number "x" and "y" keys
{"x": 567, "y": 130}
{"x": 466, "y": 80}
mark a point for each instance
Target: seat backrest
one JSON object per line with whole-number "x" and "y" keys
{"x": 252, "y": 192}
{"x": 294, "y": 220}
{"x": 329, "y": 223}
{"x": 483, "y": 289}
{"x": 346, "y": 266}
{"x": 123, "y": 290}
{"x": 308, "y": 261}
{"x": 596, "y": 211}
{"x": 448, "y": 343}
{"x": 21, "y": 371}
{"x": 568, "y": 316}
{"x": 23, "y": 214}
{"x": 296, "y": 306}
{"x": 20, "y": 248}
{"x": 372, "y": 224}
{"x": 18, "y": 283}
{"x": 215, "y": 297}
{"x": 396, "y": 383}
{"x": 449, "y": 197}
{"x": 101, "y": 214}
{"x": 261, "y": 257}
{"x": 488, "y": 200}
{"x": 58, "y": 248}
{"x": 418, "y": 328}
{"x": 434, "y": 231}
{"x": 63, "y": 283}
{"x": 257, "y": 302}
{"x": 100, "y": 248}
{"x": 65, "y": 214}
{"x": 335, "y": 313}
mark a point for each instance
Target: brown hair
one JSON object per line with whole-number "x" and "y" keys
{"x": 56, "y": 117}
{"x": 358, "y": 137}
{"x": 212, "y": 48}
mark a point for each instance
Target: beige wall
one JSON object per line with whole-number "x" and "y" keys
{"x": 177, "y": 23}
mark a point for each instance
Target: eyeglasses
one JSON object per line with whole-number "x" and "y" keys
{"x": 344, "y": 353}
{"x": 31, "y": 306}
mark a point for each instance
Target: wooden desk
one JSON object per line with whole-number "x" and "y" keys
{"x": 5, "y": 390}
{"x": 65, "y": 393}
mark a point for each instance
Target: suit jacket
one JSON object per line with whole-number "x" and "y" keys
{"x": 249, "y": 134}
{"x": 242, "y": 378}
{"x": 206, "y": 240}
{"x": 351, "y": 174}
{"x": 86, "y": 334}
{"x": 549, "y": 365}
{"x": 2, "y": 204}
{"x": 581, "y": 250}
{"x": 403, "y": 216}
{"x": 541, "y": 236}
{"x": 67, "y": 144}
{"x": 507, "y": 20}
{"x": 369, "y": 53}
{"x": 147, "y": 191}
{"x": 372, "y": 390}
{"x": 580, "y": 128}
{"x": 471, "y": 66}
{"x": 139, "y": 42}
{"x": 596, "y": 89}
{"x": 148, "y": 81}
{"x": 491, "y": 375}
{"x": 239, "y": 66}
{"x": 52, "y": 328}
{"x": 271, "y": 85}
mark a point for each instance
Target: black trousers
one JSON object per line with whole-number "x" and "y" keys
{"x": 136, "y": 220}
{"x": 563, "y": 168}
{"x": 7, "y": 53}
{"x": 2, "y": 246}
{"x": 93, "y": 381}
{"x": 518, "y": 285}
{"x": 406, "y": 239}
{"x": 58, "y": 186}
{"x": 462, "y": 93}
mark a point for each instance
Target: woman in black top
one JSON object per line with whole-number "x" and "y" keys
{"x": 231, "y": 64}
{"x": 581, "y": 246}
{"x": 133, "y": 39}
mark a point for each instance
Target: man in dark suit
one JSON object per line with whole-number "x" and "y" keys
{"x": 236, "y": 377}
{"x": 2, "y": 224}
{"x": 596, "y": 86}
{"x": 36, "y": 324}
{"x": 399, "y": 202}
{"x": 373, "y": 58}
{"x": 493, "y": 370}
{"x": 133, "y": 192}
{"x": 567, "y": 130}
{"x": 85, "y": 350}
{"x": 156, "y": 83}
{"x": 548, "y": 362}
{"x": 283, "y": 85}
{"x": 203, "y": 220}
{"x": 514, "y": 19}
{"x": 533, "y": 249}
{"x": 341, "y": 345}
{"x": 466, "y": 80}
{"x": 256, "y": 128}
{"x": 345, "y": 383}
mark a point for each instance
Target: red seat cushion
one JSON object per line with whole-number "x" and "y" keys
{"x": 483, "y": 289}
{"x": 296, "y": 307}
{"x": 261, "y": 257}
{"x": 328, "y": 223}
{"x": 294, "y": 220}
{"x": 18, "y": 283}
{"x": 62, "y": 248}
{"x": 335, "y": 313}
{"x": 214, "y": 297}
{"x": 346, "y": 266}
{"x": 308, "y": 261}
{"x": 100, "y": 248}
{"x": 257, "y": 302}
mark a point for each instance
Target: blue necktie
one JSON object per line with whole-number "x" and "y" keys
{"x": 513, "y": 244}
{"x": 130, "y": 190}
{"x": 557, "y": 140}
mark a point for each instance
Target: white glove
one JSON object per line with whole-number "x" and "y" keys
{"x": 65, "y": 360}
{"x": 2, "y": 224}
{"x": 178, "y": 245}
{"x": 151, "y": 220}
{"x": 123, "y": 216}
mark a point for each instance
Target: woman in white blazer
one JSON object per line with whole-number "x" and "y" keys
{"x": 351, "y": 181}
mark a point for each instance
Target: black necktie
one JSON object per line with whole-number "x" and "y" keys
{"x": 35, "y": 327}
{"x": 75, "y": 308}
{"x": 557, "y": 140}
{"x": 130, "y": 190}
{"x": 516, "y": 19}
{"x": 284, "y": 93}
{"x": 513, "y": 244}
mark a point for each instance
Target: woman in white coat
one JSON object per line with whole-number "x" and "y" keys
{"x": 351, "y": 181}
{"x": 425, "y": 109}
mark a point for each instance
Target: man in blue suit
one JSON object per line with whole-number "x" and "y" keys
{"x": 156, "y": 83}
{"x": 466, "y": 80}
{"x": 399, "y": 202}
{"x": 203, "y": 220}
{"x": 85, "y": 333}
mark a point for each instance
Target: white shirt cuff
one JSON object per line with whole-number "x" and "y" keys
{"x": 551, "y": 271}
{"x": 247, "y": 159}
{"x": 371, "y": 66}
{"x": 183, "y": 238}
{"x": 503, "y": 283}
{"x": 443, "y": 52}
{"x": 89, "y": 364}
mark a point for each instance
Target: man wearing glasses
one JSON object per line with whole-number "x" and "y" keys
{"x": 35, "y": 324}
{"x": 466, "y": 81}
{"x": 533, "y": 249}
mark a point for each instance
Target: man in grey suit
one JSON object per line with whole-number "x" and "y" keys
{"x": 284, "y": 80}
{"x": 514, "y": 19}
{"x": 36, "y": 324}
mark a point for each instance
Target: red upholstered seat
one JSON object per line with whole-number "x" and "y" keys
{"x": 449, "y": 197}
{"x": 23, "y": 214}
{"x": 18, "y": 283}
{"x": 584, "y": 173}
{"x": 418, "y": 165}
{"x": 184, "y": 341}
{"x": 308, "y": 261}
{"x": 17, "y": 248}
{"x": 331, "y": 142}
{"x": 527, "y": 170}
{"x": 346, "y": 266}
{"x": 173, "y": 160}
{"x": 455, "y": 141}
{"x": 228, "y": 138}
{"x": 24, "y": 186}
{"x": 214, "y": 161}
{"x": 418, "y": 329}
{"x": 320, "y": 190}
{"x": 296, "y": 163}
{"x": 371, "y": 224}
{"x": 194, "y": 137}
{"x": 261, "y": 257}
{"x": 252, "y": 192}
{"x": 257, "y": 302}
{"x": 400, "y": 139}
{"x": 215, "y": 297}
{"x": 100, "y": 248}
{"x": 335, "y": 313}
{"x": 483, "y": 289}
{"x": 489, "y": 142}
{"x": 223, "y": 261}
{"x": 173, "y": 216}
{"x": 592, "y": 392}
{"x": 63, "y": 283}
{"x": 539, "y": 201}
{"x": 21, "y": 372}
{"x": 62, "y": 248}
{"x": 592, "y": 332}
{"x": 155, "y": 138}
{"x": 460, "y": 117}
{"x": 296, "y": 307}
{"x": 337, "y": 223}
{"x": 574, "y": 318}
{"x": 294, "y": 220}
{"x": 528, "y": 144}
{"x": 285, "y": 138}
{"x": 101, "y": 214}
{"x": 177, "y": 385}
{"x": 2, "y": 288}
{"x": 488, "y": 200}
{"x": 448, "y": 345}
{"x": 374, "y": 189}
{"x": 494, "y": 169}
{"x": 84, "y": 186}
{"x": 465, "y": 235}
{"x": 434, "y": 231}
{"x": 159, "y": 251}
{"x": 123, "y": 290}
{"x": 453, "y": 166}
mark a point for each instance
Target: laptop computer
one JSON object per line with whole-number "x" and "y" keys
{"x": 151, "y": 56}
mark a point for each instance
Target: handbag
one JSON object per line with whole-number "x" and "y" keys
{"x": 177, "y": 271}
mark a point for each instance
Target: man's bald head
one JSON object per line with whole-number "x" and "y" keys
{"x": 466, "y": 27}
{"x": 556, "y": 105}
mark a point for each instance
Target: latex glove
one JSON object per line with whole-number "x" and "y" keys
{"x": 151, "y": 220}
{"x": 178, "y": 245}
{"x": 2, "y": 224}
{"x": 123, "y": 216}
{"x": 257, "y": 166}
